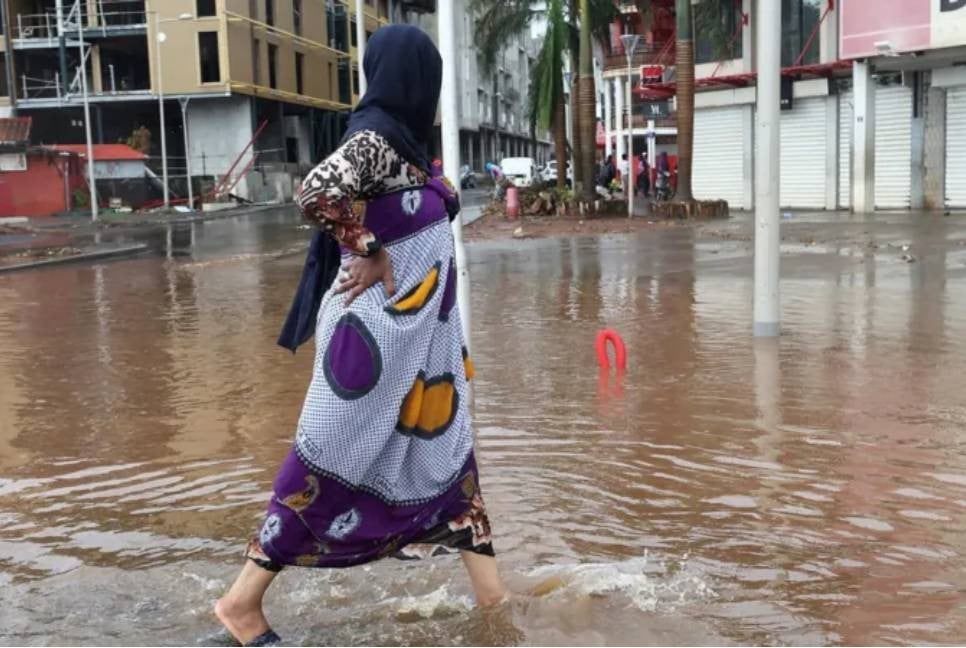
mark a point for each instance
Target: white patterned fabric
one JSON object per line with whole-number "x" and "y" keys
{"x": 352, "y": 434}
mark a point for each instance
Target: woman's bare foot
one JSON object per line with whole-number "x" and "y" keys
{"x": 485, "y": 577}
{"x": 240, "y": 610}
{"x": 245, "y": 625}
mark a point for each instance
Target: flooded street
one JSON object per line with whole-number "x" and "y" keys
{"x": 809, "y": 491}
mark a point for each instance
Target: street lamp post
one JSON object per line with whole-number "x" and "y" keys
{"x": 450, "y": 134}
{"x": 160, "y": 37}
{"x": 630, "y": 42}
{"x": 87, "y": 116}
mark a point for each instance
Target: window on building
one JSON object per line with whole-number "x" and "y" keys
{"x": 717, "y": 36}
{"x": 205, "y": 8}
{"x": 270, "y": 12}
{"x": 299, "y": 65}
{"x": 335, "y": 16}
{"x": 345, "y": 83}
{"x": 4, "y": 90}
{"x": 799, "y": 20}
{"x": 256, "y": 61}
{"x": 353, "y": 34}
{"x": 210, "y": 65}
{"x": 272, "y": 66}
{"x": 355, "y": 79}
{"x": 297, "y": 16}
{"x": 253, "y": 9}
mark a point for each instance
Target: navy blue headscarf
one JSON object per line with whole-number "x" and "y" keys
{"x": 404, "y": 71}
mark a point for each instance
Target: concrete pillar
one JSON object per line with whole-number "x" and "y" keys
{"x": 863, "y": 138}
{"x": 828, "y": 46}
{"x": 97, "y": 79}
{"x": 470, "y": 157}
{"x": 831, "y": 152}
{"x": 608, "y": 116}
{"x": 619, "y": 115}
{"x": 651, "y": 143}
{"x": 917, "y": 163}
{"x": 768, "y": 171}
{"x": 748, "y": 156}
{"x": 934, "y": 153}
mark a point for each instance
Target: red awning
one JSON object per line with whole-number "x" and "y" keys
{"x": 660, "y": 91}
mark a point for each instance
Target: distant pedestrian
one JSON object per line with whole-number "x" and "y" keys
{"x": 625, "y": 170}
{"x": 643, "y": 176}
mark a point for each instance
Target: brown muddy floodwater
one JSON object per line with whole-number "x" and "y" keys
{"x": 807, "y": 492}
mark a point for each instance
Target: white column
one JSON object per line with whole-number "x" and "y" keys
{"x": 361, "y": 44}
{"x": 651, "y": 143}
{"x": 767, "y": 170}
{"x": 450, "y": 130}
{"x": 831, "y": 152}
{"x": 619, "y": 119}
{"x": 863, "y": 139}
{"x": 608, "y": 116}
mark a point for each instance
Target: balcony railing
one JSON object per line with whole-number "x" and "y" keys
{"x": 659, "y": 53}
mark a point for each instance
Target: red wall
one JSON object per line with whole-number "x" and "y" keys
{"x": 38, "y": 191}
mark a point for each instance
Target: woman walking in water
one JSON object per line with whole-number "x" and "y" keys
{"x": 383, "y": 461}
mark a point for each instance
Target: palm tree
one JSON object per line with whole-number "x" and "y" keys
{"x": 546, "y": 100}
{"x": 710, "y": 18}
{"x": 586, "y": 104}
{"x": 500, "y": 20}
{"x": 684, "y": 69}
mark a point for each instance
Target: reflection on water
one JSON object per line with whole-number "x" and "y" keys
{"x": 811, "y": 490}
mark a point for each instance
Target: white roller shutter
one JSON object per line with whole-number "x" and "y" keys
{"x": 893, "y": 147}
{"x": 846, "y": 115}
{"x": 956, "y": 147}
{"x": 719, "y": 155}
{"x": 803, "y": 144}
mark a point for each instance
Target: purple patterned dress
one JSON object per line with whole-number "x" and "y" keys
{"x": 383, "y": 462}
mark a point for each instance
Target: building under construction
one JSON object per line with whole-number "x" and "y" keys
{"x": 252, "y": 91}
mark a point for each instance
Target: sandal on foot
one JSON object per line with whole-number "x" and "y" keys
{"x": 267, "y": 638}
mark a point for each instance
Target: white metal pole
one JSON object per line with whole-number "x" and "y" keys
{"x": 361, "y": 44}
{"x": 187, "y": 151}
{"x": 630, "y": 142}
{"x": 767, "y": 171}
{"x": 87, "y": 117}
{"x": 608, "y": 117}
{"x": 164, "y": 135}
{"x": 451, "y": 149}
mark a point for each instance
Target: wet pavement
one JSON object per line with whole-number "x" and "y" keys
{"x": 809, "y": 491}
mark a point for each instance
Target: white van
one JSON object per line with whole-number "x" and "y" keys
{"x": 521, "y": 171}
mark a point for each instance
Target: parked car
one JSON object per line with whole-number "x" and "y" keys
{"x": 521, "y": 171}
{"x": 550, "y": 173}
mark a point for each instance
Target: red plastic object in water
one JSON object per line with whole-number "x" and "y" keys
{"x": 620, "y": 350}
{"x": 512, "y": 202}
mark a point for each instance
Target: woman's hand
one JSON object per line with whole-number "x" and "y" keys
{"x": 360, "y": 273}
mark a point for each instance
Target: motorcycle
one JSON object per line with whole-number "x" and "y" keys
{"x": 663, "y": 191}
{"x": 467, "y": 177}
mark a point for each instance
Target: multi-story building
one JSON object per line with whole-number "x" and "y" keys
{"x": 261, "y": 86}
{"x": 874, "y": 96}
{"x": 492, "y": 106}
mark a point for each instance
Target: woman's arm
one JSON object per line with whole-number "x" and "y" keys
{"x": 328, "y": 192}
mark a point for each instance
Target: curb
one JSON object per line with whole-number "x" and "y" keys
{"x": 127, "y": 250}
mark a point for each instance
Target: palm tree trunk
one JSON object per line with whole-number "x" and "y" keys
{"x": 586, "y": 101}
{"x": 684, "y": 68}
{"x": 575, "y": 134}
{"x": 560, "y": 141}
